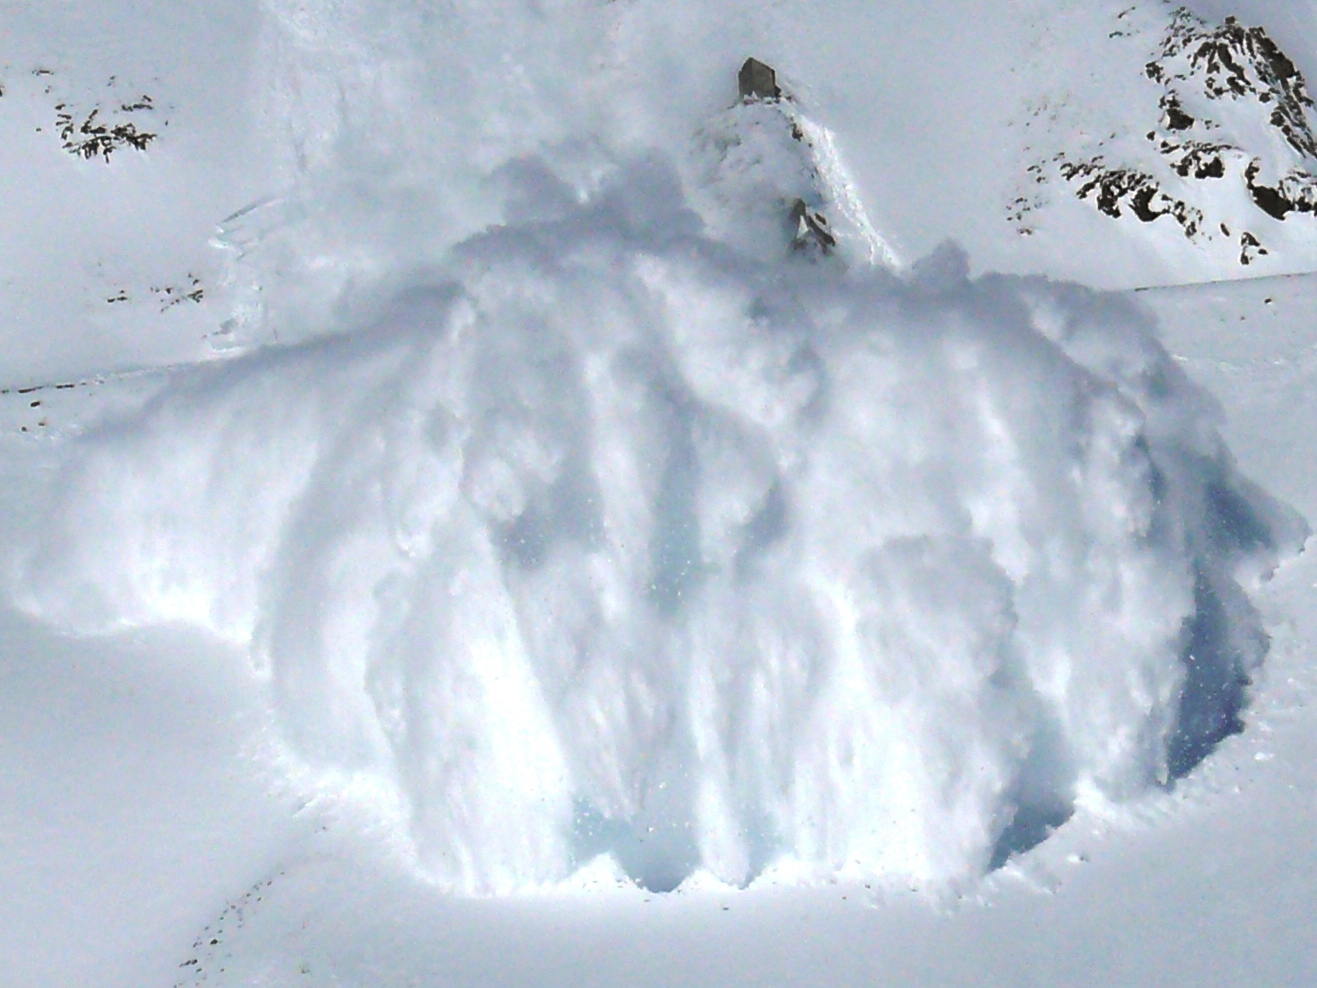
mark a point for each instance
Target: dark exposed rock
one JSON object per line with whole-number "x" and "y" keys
{"x": 1234, "y": 62}
{"x": 1174, "y": 116}
{"x": 1296, "y": 192}
{"x": 1196, "y": 159}
{"x": 1113, "y": 190}
{"x": 758, "y": 81}
{"x": 1198, "y": 64}
{"x": 809, "y": 229}
{"x": 1249, "y": 248}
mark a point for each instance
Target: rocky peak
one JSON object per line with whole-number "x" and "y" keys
{"x": 1231, "y": 61}
{"x": 1232, "y": 110}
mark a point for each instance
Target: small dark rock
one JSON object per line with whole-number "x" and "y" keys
{"x": 1249, "y": 248}
{"x": 810, "y": 229}
{"x": 758, "y": 81}
{"x": 1176, "y": 118}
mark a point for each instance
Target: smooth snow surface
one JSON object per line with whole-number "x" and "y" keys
{"x": 602, "y": 537}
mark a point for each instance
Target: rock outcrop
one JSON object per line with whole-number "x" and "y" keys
{"x": 1234, "y": 113}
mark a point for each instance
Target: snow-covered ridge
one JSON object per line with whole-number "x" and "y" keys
{"x": 769, "y": 175}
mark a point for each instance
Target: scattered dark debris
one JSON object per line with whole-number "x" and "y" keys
{"x": 1021, "y": 206}
{"x": 207, "y": 943}
{"x": 91, "y": 137}
{"x": 1118, "y": 33}
{"x": 63, "y": 386}
{"x": 172, "y": 295}
{"x": 104, "y": 129}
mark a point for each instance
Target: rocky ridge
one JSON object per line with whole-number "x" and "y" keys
{"x": 1234, "y": 116}
{"x": 774, "y": 178}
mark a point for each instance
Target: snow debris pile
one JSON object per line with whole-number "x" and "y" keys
{"x": 603, "y": 537}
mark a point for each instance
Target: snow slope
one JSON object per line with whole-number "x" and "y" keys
{"x": 358, "y": 139}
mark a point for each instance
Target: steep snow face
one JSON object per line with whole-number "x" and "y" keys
{"x": 398, "y": 129}
{"x": 602, "y": 537}
{"x": 768, "y": 175}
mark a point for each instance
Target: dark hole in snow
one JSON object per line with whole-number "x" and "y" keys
{"x": 1043, "y": 799}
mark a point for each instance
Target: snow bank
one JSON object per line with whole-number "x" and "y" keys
{"x": 604, "y": 537}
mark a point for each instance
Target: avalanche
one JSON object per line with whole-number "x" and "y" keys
{"x": 603, "y": 537}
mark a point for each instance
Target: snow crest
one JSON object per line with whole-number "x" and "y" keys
{"x": 602, "y": 537}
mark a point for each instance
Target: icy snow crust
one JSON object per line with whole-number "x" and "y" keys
{"x": 605, "y": 538}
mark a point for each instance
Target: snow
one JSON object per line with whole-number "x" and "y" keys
{"x": 516, "y": 511}
{"x": 775, "y": 562}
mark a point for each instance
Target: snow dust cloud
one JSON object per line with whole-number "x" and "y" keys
{"x": 591, "y": 532}
{"x": 606, "y": 530}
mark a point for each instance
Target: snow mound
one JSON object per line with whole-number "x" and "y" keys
{"x": 601, "y": 537}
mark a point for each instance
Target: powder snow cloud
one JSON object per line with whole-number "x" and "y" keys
{"x": 601, "y": 536}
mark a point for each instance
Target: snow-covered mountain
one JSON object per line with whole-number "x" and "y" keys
{"x": 1230, "y": 156}
{"x": 291, "y": 118}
